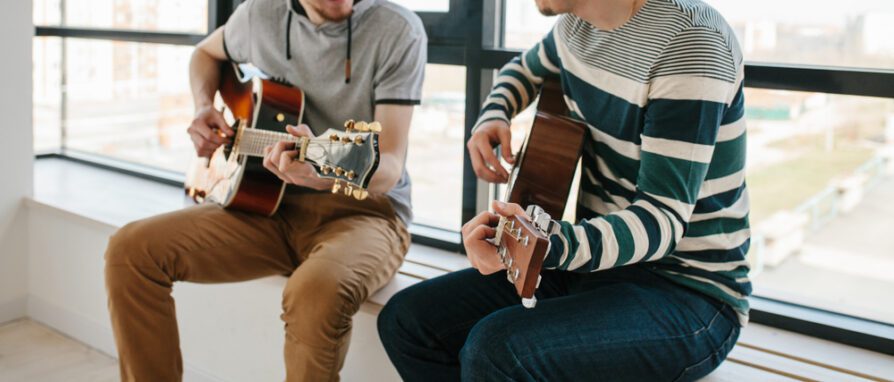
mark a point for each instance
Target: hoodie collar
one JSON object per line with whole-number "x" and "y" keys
{"x": 359, "y": 9}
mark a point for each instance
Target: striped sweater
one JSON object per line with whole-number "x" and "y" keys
{"x": 663, "y": 174}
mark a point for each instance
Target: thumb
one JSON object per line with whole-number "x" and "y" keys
{"x": 505, "y": 136}
{"x": 301, "y": 130}
{"x": 218, "y": 120}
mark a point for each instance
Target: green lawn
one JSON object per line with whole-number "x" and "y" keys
{"x": 787, "y": 184}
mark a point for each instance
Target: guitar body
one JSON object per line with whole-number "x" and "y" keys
{"x": 540, "y": 183}
{"x": 548, "y": 159}
{"x": 239, "y": 181}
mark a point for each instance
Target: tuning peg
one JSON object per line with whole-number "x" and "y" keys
{"x": 326, "y": 169}
{"x": 336, "y": 186}
{"x": 358, "y": 140}
{"x": 339, "y": 171}
{"x": 360, "y": 194}
{"x": 349, "y": 125}
{"x": 334, "y": 138}
{"x": 346, "y": 139}
{"x": 361, "y": 126}
{"x": 375, "y": 127}
{"x": 349, "y": 190}
{"x": 350, "y": 175}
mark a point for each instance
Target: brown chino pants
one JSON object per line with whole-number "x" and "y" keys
{"x": 336, "y": 251}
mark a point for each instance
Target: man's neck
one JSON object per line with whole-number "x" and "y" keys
{"x": 315, "y": 17}
{"x": 606, "y": 14}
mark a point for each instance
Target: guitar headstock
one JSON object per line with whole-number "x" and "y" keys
{"x": 349, "y": 157}
{"x": 522, "y": 244}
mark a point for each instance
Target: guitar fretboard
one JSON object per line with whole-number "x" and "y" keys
{"x": 253, "y": 141}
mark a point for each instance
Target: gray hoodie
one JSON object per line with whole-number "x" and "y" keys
{"x": 384, "y": 44}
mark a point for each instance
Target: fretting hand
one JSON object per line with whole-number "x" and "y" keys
{"x": 280, "y": 160}
{"x": 476, "y": 232}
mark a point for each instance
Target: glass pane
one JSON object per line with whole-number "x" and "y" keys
{"x": 821, "y": 176}
{"x": 130, "y": 101}
{"x": 854, "y": 33}
{"x": 188, "y": 16}
{"x": 425, "y": 5}
{"x": 47, "y": 85}
{"x": 47, "y": 12}
{"x": 838, "y": 33}
{"x": 435, "y": 157}
{"x": 525, "y": 26}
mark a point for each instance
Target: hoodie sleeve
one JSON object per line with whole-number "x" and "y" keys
{"x": 237, "y": 33}
{"x": 398, "y": 79}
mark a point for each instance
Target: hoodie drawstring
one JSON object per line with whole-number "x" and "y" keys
{"x": 289, "y": 36}
{"x": 296, "y": 7}
{"x": 348, "y": 58}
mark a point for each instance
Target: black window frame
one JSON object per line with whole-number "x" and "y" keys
{"x": 470, "y": 34}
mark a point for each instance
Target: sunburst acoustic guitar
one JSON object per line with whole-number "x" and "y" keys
{"x": 234, "y": 176}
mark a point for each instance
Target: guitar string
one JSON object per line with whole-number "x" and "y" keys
{"x": 270, "y": 139}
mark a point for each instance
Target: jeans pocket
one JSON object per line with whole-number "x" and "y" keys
{"x": 706, "y": 366}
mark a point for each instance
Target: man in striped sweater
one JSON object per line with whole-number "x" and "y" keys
{"x": 652, "y": 283}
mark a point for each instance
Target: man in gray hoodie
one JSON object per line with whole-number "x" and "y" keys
{"x": 361, "y": 60}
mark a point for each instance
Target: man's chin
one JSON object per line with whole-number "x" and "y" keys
{"x": 336, "y": 16}
{"x": 337, "y": 13}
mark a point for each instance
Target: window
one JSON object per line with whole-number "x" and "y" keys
{"x": 425, "y": 6}
{"x": 819, "y": 173}
{"x": 129, "y": 101}
{"x": 525, "y": 26}
{"x": 835, "y": 33}
{"x": 851, "y": 34}
{"x": 47, "y": 52}
{"x": 436, "y": 147}
{"x": 187, "y": 16}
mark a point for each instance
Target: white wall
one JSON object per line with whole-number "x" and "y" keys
{"x": 16, "y": 167}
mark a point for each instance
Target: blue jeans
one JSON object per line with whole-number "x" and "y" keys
{"x": 624, "y": 324}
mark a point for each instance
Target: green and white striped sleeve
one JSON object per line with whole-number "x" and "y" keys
{"x": 518, "y": 82}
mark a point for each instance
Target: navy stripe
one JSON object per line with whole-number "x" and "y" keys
{"x": 650, "y": 223}
{"x": 614, "y": 114}
{"x": 684, "y": 120}
{"x": 719, "y": 201}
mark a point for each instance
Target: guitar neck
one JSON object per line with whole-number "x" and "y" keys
{"x": 252, "y": 142}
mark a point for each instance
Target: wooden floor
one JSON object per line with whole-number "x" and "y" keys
{"x": 32, "y": 352}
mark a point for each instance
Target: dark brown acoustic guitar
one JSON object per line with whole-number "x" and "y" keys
{"x": 539, "y": 182}
{"x": 235, "y": 177}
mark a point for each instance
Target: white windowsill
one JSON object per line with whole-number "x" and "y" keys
{"x": 113, "y": 199}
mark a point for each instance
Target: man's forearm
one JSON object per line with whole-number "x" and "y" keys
{"x": 387, "y": 175}
{"x": 204, "y": 78}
